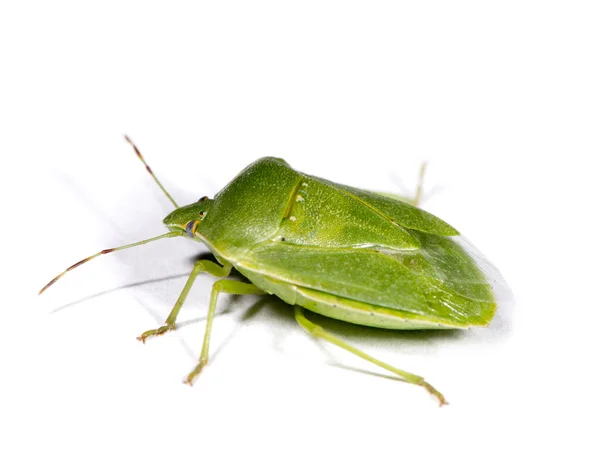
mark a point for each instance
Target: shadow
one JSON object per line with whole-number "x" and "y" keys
{"x": 186, "y": 347}
{"x": 250, "y": 313}
{"x": 203, "y": 256}
{"x": 351, "y": 330}
{"x": 126, "y": 286}
{"x": 256, "y": 308}
{"x": 231, "y": 305}
{"x": 87, "y": 200}
{"x": 279, "y": 318}
{"x": 368, "y": 372}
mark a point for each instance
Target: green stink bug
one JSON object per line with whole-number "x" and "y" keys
{"x": 342, "y": 252}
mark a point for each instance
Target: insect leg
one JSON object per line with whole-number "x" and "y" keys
{"x": 415, "y": 200}
{"x": 200, "y": 267}
{"x": 221, "y": 286}
{"x": 419, "y": 192}
{"x": 407, "y": 377}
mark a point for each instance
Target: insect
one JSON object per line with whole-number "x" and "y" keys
{"x": 345, "y": 253}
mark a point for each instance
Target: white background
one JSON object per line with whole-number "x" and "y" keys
{"x": 503, "y": 101}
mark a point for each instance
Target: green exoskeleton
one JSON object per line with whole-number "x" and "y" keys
{"x": 346, "y": 253}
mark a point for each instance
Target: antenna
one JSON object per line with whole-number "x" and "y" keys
{"x": 137, "y": 152}
{"x": 104, "y": 252}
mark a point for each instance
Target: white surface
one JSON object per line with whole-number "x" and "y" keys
{"x": 501, "y": 100}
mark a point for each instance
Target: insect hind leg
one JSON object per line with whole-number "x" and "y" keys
{"x": 416, "y": 199}
{"x": 407, "y": 377}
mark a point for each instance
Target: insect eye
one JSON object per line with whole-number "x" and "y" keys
{"x": 203, "y": 198}
{"x": 191, "y": 227}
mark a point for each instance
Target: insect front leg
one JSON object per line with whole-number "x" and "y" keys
{"x": 202, "y": 266}
{"x": 222, "y": 286}
{"x": 407, "y": 377}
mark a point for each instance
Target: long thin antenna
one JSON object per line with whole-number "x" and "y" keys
{"x": 137, "y": 152}
{"x": 109, "y": 250}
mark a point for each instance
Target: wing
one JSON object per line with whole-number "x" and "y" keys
{"x": 367, "y": 247}
{"x": 396, "y": 210}
{"x": 438, "y": 280}
{"x": 323, "y": 214}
